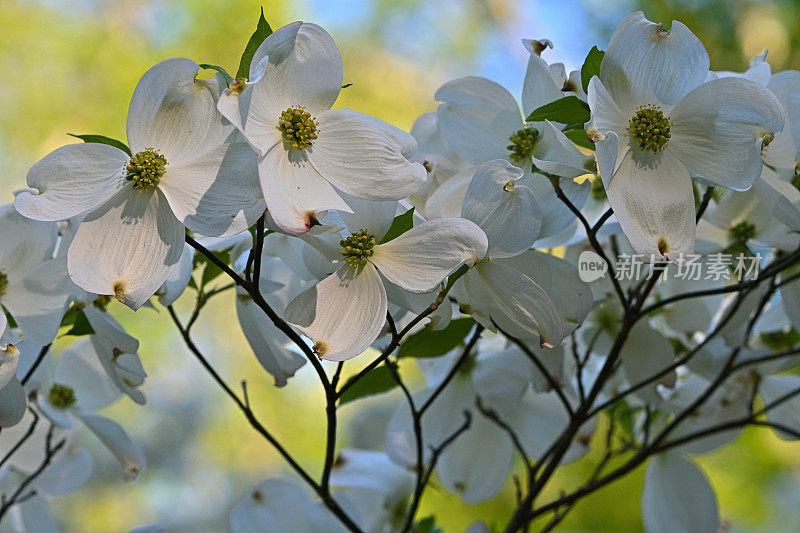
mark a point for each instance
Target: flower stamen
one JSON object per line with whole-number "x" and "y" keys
{"x": 357, "y": 248}
{"x": 298, "y": 127}
{"x": 61, "y": 396}
{"x": 522, "y": 143}
{"x": 650, "y": 128}
{"x": 3, "y": 283}
{"x": 145, "y": 169}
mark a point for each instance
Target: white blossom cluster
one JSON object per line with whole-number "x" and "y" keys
{"x": 454, "y": 247}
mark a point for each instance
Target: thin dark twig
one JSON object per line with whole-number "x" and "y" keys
{"x": 35, "y": 365}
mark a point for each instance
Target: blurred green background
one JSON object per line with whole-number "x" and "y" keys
{"x": 71, "y": 65}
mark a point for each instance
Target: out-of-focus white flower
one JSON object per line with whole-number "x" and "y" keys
{"x": 185, "y": 171}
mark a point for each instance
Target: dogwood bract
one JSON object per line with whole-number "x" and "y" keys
{"x": 654, "y": 118}
{"x": 184, "y": 171}
{"x": 306, "y": 148}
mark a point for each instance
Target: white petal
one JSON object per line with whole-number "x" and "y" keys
{"x": 781, "y": 198}
{"x": 784, "y": 85}
{"x": 24, "y": 243}
{"x": 447, "y": 199}
{"x": 72, "y": 180}
{"x": 540, "y": 419}
{"x": 653, "y": 200}
{"x": 646, "y": 64}
{"x": 372, "y": 470}
{"x": 38, "y": 301}
{"x": 304, "y": 67}
{"x": 366, "y": 157}
{"x": 294, "y": 190}
{"x": 477, "y": 463}
{"x": 645, "y": 353}
{"x": 128, "y": 247}
{"x": 677, "y": 497}
{"x": 33, "y": 515}
{"x": 539, "y": 87}
{"x": 783, "y": 388}
{"x": 554, "y": 153}
{"x": 507, "y": 213}
{"x": 266, "y": 342}
{"x": 13, "y": 403}
{"x": 607, "y": 116}
{"x": 343, "y": 313}
{"x": 419, "y": 259}
{"x": 374, "y": 217}
{"x": 118, "y": 443}
{"x": 175, "y": 113}
{"x": 79, "y": 368}
{"x": 177, "y": 282}
{"x": 477, "y": 116}
{"x": 522, "y": 300}
{"x": 218, "y": 193}
{"x": 718, "y": 129}
{"x": 560, "y": 280}
{"x": 68, "y": 472}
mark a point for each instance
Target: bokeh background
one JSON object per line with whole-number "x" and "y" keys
{"x": 71, "y": 65}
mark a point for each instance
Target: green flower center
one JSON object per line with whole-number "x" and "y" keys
{"x": 3, "y": 283}
{"x": 742, "y": 232}
{"x": 650, "y": 128}
{"x": 145, "y": 169}
{"x": 522, "y": 142}
{"x": 299, "y": 128}
{"x": 357, "y": 248}
{"x": 61, "y": 396}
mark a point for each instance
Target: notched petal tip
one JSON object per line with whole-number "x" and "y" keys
{"x": 119, "y": 290}
{"x": 320, "y": 348}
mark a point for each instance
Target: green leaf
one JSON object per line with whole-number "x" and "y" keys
{"x": 400, "y": 224}
{"x": 376, "y": 381}
{"x": 228, "y": 78}
{"x": 579, "y": 137}
{"x": 81, "y": 325}
{"x": 430, "y": 343}
{"x": 102, "y": 139}
{"x": 591, "y": 66}
{"x": 346, "y": 85}
{"x": 262, "y": 32}
{"x": 567, "y": 110}
{"x": 427, "y": 525}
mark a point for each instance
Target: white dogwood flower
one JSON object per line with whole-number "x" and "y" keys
{"x": 345, "y": 312}
{"x": 184, "y": 171}
{"x": 306, "y": 149}
{"x": 654, "y": 119}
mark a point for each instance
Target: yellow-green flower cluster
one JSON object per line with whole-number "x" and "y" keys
{"x": 650, "y": 128}
{"x": 61, "y": 396}
{"x": 299, "y": 128}
{"x": 357, "y": 248}
{"x": 145, "y": 169}
{"x": 522, "y": 143}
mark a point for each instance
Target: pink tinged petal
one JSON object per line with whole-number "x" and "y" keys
{"x": 72, "y": 180}
{"x": 127, "y": 248}
{"x": 523, "y": 301}
{"x": 294, "y": 191}
{"x": 39, "y": 300}
{"x": 645, "y": 64}
{"x": 175, "y": 113}
{"x": 540, "y": 86}
{"x": 476, "y": 117}
{"x": 506, "y": 212}
{"x": 303, "y": 67}
{"x": 118, "y": 443}
{"x": 13, "y": 403}
{"x": 653, "y": 200}
{"x": 218, "y": 193}
{"x": 366, "y": 157}
{"x": 677, "y": 496}
{"x": 265, "y": 341}
{"x": 556, "y": 154}
{"x": 26, "y": 243}
{"x": 419, "y": 259}
{"x": 342, "y": 314}
{"x": 718, "y": 130}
